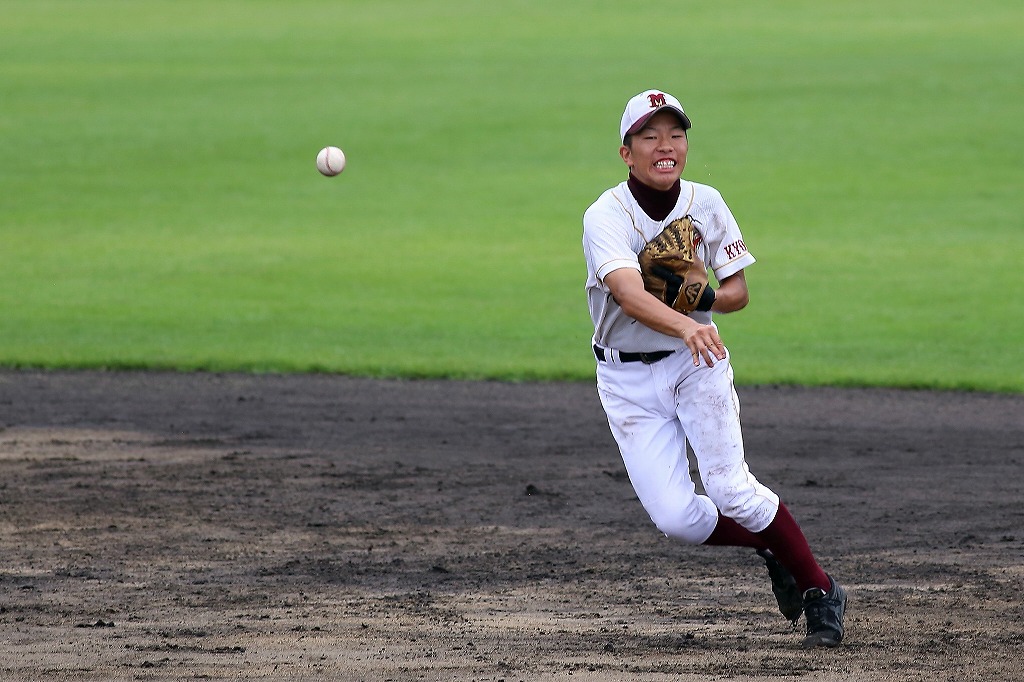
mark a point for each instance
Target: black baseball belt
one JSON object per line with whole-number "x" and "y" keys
{"x": 646, "y": 358}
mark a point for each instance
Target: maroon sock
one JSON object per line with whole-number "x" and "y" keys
{"x": 728, "y": 532}
{"x": 787, "y": 542}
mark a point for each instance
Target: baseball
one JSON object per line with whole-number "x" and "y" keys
{"x": 330, "y": 161}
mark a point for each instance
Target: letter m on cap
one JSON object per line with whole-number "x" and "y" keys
{"x": 657, "y": 100}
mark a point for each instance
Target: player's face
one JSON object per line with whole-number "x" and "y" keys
{"x": 657, "y": 153}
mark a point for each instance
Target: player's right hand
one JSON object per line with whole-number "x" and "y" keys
{"x": 704, "y": 342}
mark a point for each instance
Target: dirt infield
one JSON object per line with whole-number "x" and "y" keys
{"x": 203, "y": 526}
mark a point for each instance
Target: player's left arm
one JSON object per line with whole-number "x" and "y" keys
{"x": 731, "y": 294}
{"x": 727, "y": 256}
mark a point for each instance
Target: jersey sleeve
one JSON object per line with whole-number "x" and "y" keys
{"x": 608, "y": 240}
{"x": 725, "y": 247}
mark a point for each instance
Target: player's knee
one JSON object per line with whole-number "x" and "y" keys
{"x": 688, "y": 523}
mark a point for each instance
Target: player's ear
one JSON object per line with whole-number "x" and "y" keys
{"x": 627, "y": 155}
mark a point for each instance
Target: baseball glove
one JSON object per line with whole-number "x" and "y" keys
{"x": 672, "y": 270}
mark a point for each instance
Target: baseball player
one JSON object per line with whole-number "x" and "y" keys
{"x": 663, "y": 373}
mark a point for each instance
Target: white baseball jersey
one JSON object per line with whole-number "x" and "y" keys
{"x": 616, "y": 229}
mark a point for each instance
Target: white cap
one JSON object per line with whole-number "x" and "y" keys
{"x": 645, "y": 105}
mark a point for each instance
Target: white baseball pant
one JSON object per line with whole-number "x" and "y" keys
{"x": 652, "y": 411}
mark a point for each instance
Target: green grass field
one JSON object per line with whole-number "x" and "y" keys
{"x": 161, "y": 208}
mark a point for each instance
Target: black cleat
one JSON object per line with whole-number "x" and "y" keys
{"x": 824, "y": 612}
{"x": 791, "y": 604}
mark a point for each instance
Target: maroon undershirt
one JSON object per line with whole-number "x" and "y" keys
{"x": 656, "y": 203}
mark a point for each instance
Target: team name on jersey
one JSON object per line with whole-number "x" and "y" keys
{"x": 735, "y": 249}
